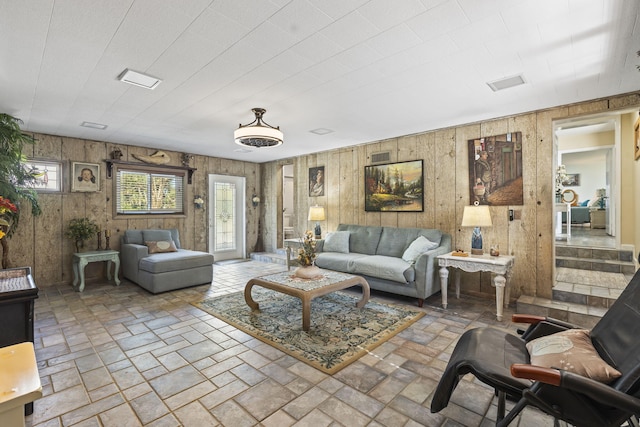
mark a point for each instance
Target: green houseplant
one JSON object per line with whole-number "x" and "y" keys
{"x": 81, "y": 229}
{"x": 15, "y": 180}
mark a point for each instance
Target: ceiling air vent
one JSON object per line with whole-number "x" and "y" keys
{"x": 380, "y": 157}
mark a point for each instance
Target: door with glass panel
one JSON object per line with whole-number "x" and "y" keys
{"x": 226, "y": 217}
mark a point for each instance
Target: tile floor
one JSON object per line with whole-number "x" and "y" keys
{"x": 119, "y": 356}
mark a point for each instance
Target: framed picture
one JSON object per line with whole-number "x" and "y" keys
{"x": 48, "y": 175}
{"x": 495, "y": 170}
{"x": 316, "y": 181}
{"x": 394, "y": 187}
{"x": 85, "y": 177}
{"x": 636, "y": 139}
{"x": 573, "y": 180}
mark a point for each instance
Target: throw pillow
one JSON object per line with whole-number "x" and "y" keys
{"x": 571, "y": 351}
{"x": 338, "y": 241}
{"x": 417, "y": 247}
{"x": 585, "y": 203}
{"x": 161, "y": 246}
{"x": 594, "y": 202}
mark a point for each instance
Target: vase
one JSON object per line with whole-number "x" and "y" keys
{"x": 307, "y": 272}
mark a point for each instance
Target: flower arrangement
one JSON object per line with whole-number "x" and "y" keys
{"x": 307, "y": 253}
{"x": 561, "y": 178}
{"x": 8, "y": 213}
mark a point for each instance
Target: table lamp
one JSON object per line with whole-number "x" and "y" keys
{"x": 476, "y": 216}
{"x": 316, "y": 213}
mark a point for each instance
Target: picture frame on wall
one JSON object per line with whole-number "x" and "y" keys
{"x": 85, "y": 177}
{"x": 573, "y": 180}
{"x": 394, "y": 187}
{"x": 316, "y": 181}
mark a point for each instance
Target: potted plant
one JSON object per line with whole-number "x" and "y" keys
{"x": 15, "y": 180}
{"x": 81, "y": 229}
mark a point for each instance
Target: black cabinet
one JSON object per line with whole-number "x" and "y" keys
{"x": 17, "y": 295}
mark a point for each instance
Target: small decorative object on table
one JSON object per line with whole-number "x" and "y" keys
{"x": 495, "y": 250}
{"x": 306, "y": 257}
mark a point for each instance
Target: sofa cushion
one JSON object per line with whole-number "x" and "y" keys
{"x": 362, "y": 239}
{"x": 338, "y": 241}
{"x": 394, "y": 241}
{"x": 384, "y": 267}
{"x": 161, "y": 246}
{"x": 417, "y": 247}
{"x": 156, "y": 235}
{"x": 338, "y": 261}
{"x": 134, "y": 237}
{"x": 173, "y": 261}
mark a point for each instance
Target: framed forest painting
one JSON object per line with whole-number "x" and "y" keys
{"x": 394, "y": 187}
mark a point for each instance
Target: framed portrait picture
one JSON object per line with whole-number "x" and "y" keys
{"x": 316, "y": 181}
{"x": 85, "y": 177}
{"x": 394, "y": 187}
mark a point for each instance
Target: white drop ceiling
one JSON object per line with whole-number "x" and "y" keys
{"x": 363, "y": 70}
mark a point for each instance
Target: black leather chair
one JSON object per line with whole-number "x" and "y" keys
{"x": 501, "y": 360}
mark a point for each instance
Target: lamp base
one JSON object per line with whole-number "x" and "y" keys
{"x": 477, "y": 251}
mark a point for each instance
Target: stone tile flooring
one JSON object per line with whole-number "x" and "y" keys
{"x": 119, "y": 356}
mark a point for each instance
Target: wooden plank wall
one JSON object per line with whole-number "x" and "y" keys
{"x": 40, "y": 242}
{"x": 446, "y": 187}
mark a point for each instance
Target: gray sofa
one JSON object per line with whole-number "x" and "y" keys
{"x": 165, "y": 271}
{"x": 376, "y": 253}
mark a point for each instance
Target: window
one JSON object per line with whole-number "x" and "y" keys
{"x": 146, "y": 191}
{"x": 48, "y": 175}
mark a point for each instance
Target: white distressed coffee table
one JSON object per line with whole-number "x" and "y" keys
{"x": 307, "y": 289}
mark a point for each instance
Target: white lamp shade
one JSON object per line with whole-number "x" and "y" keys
{"x": 476, "y": 216}
{"x": 316, "y": 213}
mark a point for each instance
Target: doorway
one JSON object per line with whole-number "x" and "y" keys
{"x": 588, "y": 149}
{"x": 227, "y": 217}
{"x": 288, "y": 210}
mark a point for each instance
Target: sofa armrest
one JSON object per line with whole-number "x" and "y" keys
{"x": 130, "y": 256}
{"x": 427, "y": 281}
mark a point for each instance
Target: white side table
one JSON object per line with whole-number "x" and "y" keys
{"x": 81, "y": 259}
{"x": 19, "y": 382}
{"x": 500, "y": 266}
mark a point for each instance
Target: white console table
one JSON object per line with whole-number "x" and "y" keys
{"x": 499, "y": 265}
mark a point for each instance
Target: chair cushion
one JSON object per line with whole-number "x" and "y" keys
{"x": 385, "y": 267}
{"x": 362, "y": 239}
{"x": 174, "y": 261}
{"x": 338, "y": 241}
{"x": 156, "y": 235}
{"x": 417, "y": 247}
{"x": 572, "y": 351}
{"x": 338, "y": 261}
{"x": 161, "y": 246}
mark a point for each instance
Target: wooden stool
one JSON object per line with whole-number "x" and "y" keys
{"x": 19, "y": 382}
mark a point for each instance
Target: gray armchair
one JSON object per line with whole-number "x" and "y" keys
{"x": 162, "y": 271}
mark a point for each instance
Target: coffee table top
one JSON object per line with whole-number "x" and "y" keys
{"x": 286, "y": 278}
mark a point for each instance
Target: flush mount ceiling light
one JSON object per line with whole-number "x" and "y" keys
{"x": 258, "y": 133}
{"x": 139, "y": 79}
{"x": 93, "y": 125}
{"x": 321, "y": 131}
{"x": 506, "y": 83}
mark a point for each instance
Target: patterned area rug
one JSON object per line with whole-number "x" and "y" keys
{"x": 340, "y": 333}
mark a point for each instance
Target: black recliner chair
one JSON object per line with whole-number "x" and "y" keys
{"x": 502, "y": 361}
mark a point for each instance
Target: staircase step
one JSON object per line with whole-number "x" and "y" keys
{"x": 594, "y": 296}
{"x": 579, "y": 314}
{"x": 609, "y": 266}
